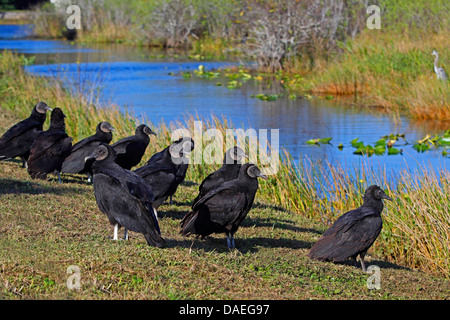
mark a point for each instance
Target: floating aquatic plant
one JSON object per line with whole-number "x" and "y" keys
{"x": 266, "y": 97}
{"x": 424, "y": 144}
{"x": 203, "y": 73}
{"x": 319, "y": 141}
{"x": 186, "y": 75}
{"x": 234, "y": 84}
{"x": 241, "y": 74}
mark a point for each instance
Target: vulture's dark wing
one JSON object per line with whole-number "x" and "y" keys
{"x": 211, "y": 181}
{"x": 229, "y": 185}
{"x": 74, "y": 163}
{"x": 19, "y": 138}
{"x": 216, "y": 178}
{"x": 160, "y": 178}
{"x": 122, "y": 145}
{"x": 156, "y": 157}
{"x": 221, "y": 212}
{"x": 353, "y": 232}
{"x": 127, "y": 201}
{"x": 50, "y": 143}
{"x": 226, "y": 206}
{"x": 19, "y": 128}
{"x": 86, "y": 143}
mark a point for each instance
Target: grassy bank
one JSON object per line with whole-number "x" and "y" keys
{"x": 416, "y": 232}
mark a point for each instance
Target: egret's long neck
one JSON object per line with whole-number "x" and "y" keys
{"x": 436, "y": 61}
{"x": 436, "y": 68}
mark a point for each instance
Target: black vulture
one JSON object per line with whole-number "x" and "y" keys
{"x": 178, "y": 150}
{"x": 167, "y": 169}
{"x": 50, "y": 148}
{"x": 17, "y": 141}
{"x": 130, "y": 150}
{"x": 229, "y": 171}
{"x": 124, "y": 197}
{"x": 223, "y": 209}
{"x": 354, "y": 232}
{"x": 74, "y": 163}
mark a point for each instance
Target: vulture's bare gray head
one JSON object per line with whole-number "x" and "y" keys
{"x": 106, "y": 127}
{"x": 42, "y": 107}
{"x": 100, "y": 153}
{"x": 234, "y": 155}
{"x": 254, "y": 172}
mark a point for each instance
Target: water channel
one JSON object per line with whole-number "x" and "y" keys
{"x": 148, "y": 82}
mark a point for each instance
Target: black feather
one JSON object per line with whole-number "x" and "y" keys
{"x": 17, "y": 141}
{"x": 354, "y": 232}
{"x": 229, "y": 171}
{"x": 74, "y": 163}
{"x": 130, "y": 150}
{"x": 50, "y": 148}
{"x": 125, "y": 198}
{"x": 163, "y": 174}
{"x": 222, "y": 209}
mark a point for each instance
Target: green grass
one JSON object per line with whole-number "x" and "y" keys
{"x": 47, "y": 227}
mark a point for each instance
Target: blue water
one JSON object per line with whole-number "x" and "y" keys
{"x": 140, "y": 81}
{"x": 15, "y": 31}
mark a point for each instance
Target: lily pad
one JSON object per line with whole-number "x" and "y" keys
{"x": 394, "y": 151}
{"x": 444, "y": 141}
{"x": 365, "y": 150}
{"x": 266, "y": 97}
{"x": 234, "y": 84}
{"x": 421, "y": 147}
{"x": 381, "y": 142}
{"x": 187, "y": 75}
{"x": 319, "y": 141}
{"x": 379, "y": 150}
{"x": 356, "y": 143}
{"x": 325, "y": 140}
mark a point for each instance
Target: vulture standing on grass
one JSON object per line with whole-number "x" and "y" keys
{"x": 167, "y": 169}
{"x": 223, "y": 209}
{"x": 354, "y": 232}
{"x": 229, "y": 171}
{"x": 130, "y": 150}
{"x": 74, "y": 163}
{"x": 124, "y": 197}
{"x": 50, "y": 148}
{"x": 17, "y": 141}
